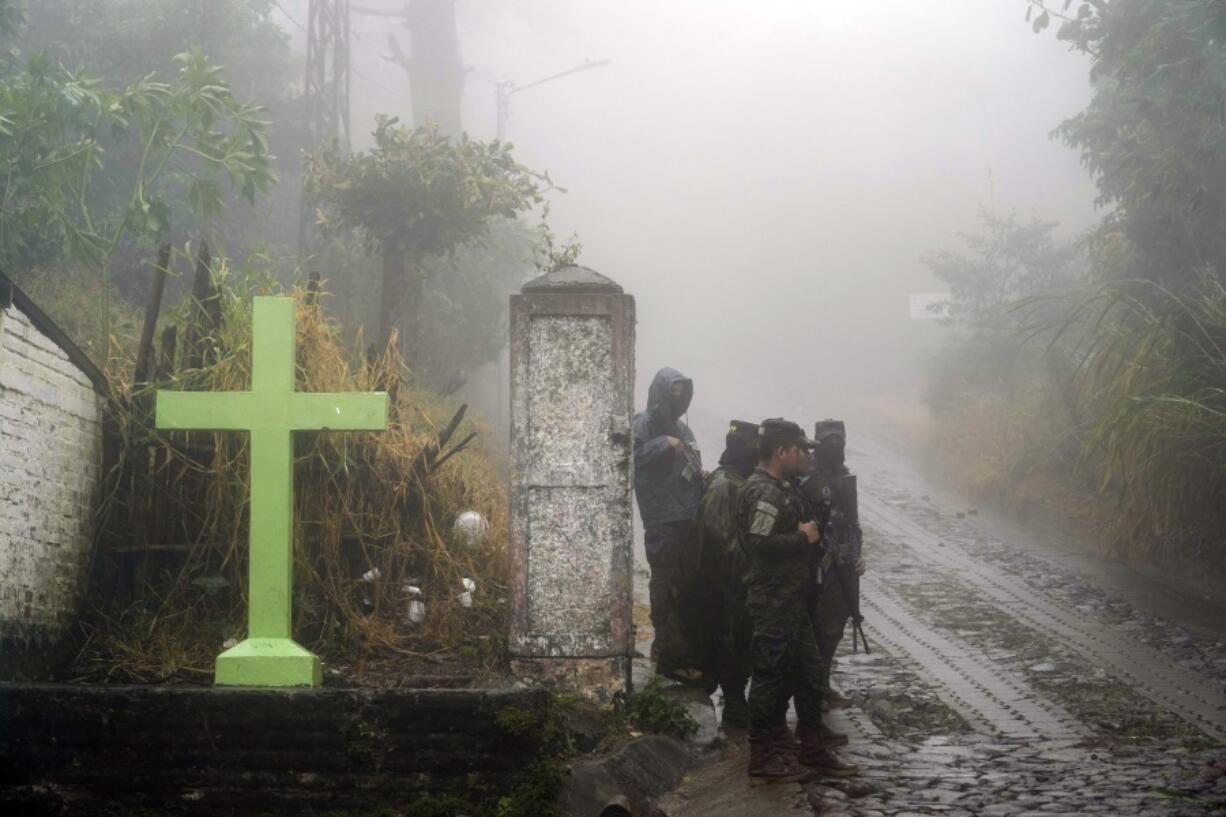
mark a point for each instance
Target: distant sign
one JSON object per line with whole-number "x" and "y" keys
{"x": 929, "y": 306}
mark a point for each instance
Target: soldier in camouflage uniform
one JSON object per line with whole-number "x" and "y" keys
{"x": 723, "y": 569}
{"x": 831, "y": 483}
{"x": 781, "y": 547}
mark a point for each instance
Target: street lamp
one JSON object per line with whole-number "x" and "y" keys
{"x": 506, "y": 88}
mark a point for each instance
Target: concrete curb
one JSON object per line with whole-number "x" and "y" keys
{"x": 642, "y": 770}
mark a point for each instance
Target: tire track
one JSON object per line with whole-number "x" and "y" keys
{"x": 993, "y": 699}
{"x": 1183, "y": 693}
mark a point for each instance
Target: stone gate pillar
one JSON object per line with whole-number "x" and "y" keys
{"x": 572, "y": 399}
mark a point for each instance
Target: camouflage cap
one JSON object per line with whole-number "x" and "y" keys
{"x": 824, "y": 428}
{"x": 785, "y": 432}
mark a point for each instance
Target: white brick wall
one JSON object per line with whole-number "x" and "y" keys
{"x": 50, "y": 457}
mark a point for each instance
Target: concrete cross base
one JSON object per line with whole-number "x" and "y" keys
{"x": 594, "y": 679}
{"x": 268, "y": 662}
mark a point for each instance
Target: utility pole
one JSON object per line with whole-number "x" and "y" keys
{"x": 326, "y": 90}
{"x": 507, "y": 88}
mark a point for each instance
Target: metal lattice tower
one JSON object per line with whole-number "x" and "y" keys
{"x": 326, "y": 91}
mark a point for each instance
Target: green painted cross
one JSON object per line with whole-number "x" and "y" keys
{"x": 271, "y": 411}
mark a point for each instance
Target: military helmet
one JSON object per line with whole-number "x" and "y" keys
{"x": 827, "y": 427}
{"x": 741, "y": 434}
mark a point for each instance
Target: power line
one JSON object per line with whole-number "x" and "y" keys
{"x": 288, "y": 16}
{"x": 379, "y": 12}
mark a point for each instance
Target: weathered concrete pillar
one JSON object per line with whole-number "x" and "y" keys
{"x": 572, "y": 398}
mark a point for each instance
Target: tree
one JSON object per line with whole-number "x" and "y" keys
{"x": 435, "y": 70}
{"x": 1006, "y": 282}
{"x": 55, "y": 130}
{"x": 120, "y": 42}
{"x": 1009, "y": 260}
{"x": 417, "y": 195}
{"x": 1153, "y": 134}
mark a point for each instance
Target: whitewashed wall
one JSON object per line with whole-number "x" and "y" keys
{"x": 50, "y": 458}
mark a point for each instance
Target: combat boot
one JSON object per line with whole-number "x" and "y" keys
{"x": 816, "y": 756}
{"x": 831, "y": 738}
{"x": 786, "y": 741}
{"x": 769, "y": 765}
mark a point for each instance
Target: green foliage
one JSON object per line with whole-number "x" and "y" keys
{"x": 1007, "y": 262}
{"x": 537, "y": 793}
{"x": 123, "y": 42}
{"x": 1153, "y": 375}
{"x": 1123, "y": 391}
{"x": 1153, "y": 134}
{"x": 543, "y": 727}
{"x": 418, "y": 192}
{"x": 552, "y": 255}
{"x": 414, "y": 198}
{"x": 53, "y": 127}
{"x": 650, "y": 710}
{"x": 55, "y": 133}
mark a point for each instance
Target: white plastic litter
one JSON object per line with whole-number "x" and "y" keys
{"x": 470, "y": 528}
{"x": 466, "y": 597}
{"x": 416, "y": 608}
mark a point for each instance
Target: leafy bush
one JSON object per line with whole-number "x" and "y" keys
{"x": 651, "y": 710}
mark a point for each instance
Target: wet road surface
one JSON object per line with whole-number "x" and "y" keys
{"x": 1009, "y": 676}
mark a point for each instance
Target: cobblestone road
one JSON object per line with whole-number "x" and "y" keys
{"x": 1002, "y": 683}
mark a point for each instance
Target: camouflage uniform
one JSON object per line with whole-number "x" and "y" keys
{"x": 785, "y": 656}
{"x": 723, "y": 568}
{"x": 832, "y": 486}
{"x": 829, "y": 607}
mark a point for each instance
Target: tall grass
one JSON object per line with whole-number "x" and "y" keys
{"x": 1154, "y": 380}
{"x": 1113, "y": 415}
{"x": 362, "y": 501}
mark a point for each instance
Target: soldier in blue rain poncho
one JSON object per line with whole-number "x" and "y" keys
{"x": 668, "y": 482}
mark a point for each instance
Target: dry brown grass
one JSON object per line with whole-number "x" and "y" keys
{"x": 362, "y": 501}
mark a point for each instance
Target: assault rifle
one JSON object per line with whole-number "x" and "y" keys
{"x": 843, "y": 544}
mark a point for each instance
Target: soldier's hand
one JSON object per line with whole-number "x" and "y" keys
{"x": 811, "y": 532}
{"x": 675, "y": 443}
{"x": 860, "y": 568}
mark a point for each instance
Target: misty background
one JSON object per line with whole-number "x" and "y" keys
{"x": 774, "y": 183}
{"x": 766, "y": 178}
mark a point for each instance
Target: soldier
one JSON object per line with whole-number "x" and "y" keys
{"x": 831, "y": 483}
{"x": 723, "y": 569}
{"x": 668, "y": 487}
{"x": 781, "y": 547}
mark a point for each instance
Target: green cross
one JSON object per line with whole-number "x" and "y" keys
{"x": 270, "y": 412}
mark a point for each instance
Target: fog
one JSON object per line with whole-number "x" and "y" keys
{"x": 766, "y": 177}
